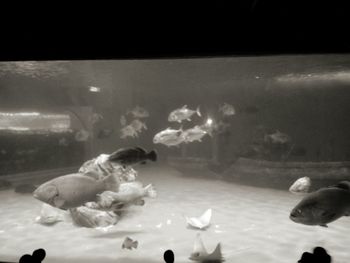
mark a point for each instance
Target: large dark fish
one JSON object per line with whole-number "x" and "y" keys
{"x": 323, "y": 206}
{"x": 74, "y": 190}
{"x": 130, "y": 156}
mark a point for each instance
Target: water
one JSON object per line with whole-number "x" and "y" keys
{"x": 57, "y": 115}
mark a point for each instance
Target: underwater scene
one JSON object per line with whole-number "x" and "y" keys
{"x": 222, "y": 159}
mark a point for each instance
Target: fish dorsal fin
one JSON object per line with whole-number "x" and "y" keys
{"x": 140, "y": 149}
{"x": 216, "y": 255}
{"x": 343, "y": 185}
{"x": 198, "y": 247}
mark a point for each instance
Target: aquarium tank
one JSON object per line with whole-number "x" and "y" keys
{"x": 235, "y": 159}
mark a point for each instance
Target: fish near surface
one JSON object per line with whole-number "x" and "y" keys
{"x": 130, "y": 156}
{"x": 183, "y": 113}
{"x": 74, "y": 190}
{"x": 323, "y": 206}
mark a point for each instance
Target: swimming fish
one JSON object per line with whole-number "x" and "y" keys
{"x": 122, "y": 120}
{"x": 50, "y": 215}
{"x": 129, "y": 193}
{"x": 169, "y": 137}
{"x": 73, "y": 190}
{"x": 138, "y": 125}
{"x": 323, "y": 206}
{"x": 200, "y": 253}
{"x": 193, "y": 134}
{"x": 201, "y": 222}
{"x": 93, "y": 218}
{"x": 82, "y": 135}
{"x": 227, "y": 109}
{"x": 301, "y": 186}
{"x": 277, "y": 138}
{"x": 139, "y": 112}
{"x": 129, "y": 243}
{"x": 183, "y": 113}
{"x": 130, "y": 156}
{"x": 128, "y": 131}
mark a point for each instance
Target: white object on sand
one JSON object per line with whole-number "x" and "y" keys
{"x": 301, "y": 186}
{"x": 201, "y": 222}
{"x": 200, "y": 253}
{"x": 50, "y": 215}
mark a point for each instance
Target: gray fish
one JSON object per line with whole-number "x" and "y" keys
{"x": 130, "y": 156}
{"x": 129, "y": 243}
{"x": 323, "y": 206}
{"x": 169, "y": 137}
{"x": 183, "y": 113}
{"x": 74, "y": 190}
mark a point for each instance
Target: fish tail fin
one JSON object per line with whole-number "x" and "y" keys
{"x": 150, "y": 191}
{"x": 198, "y": 111}
{"x": 152, "y": 155}
{"x": 135, "y": 244}
{"x": 112, "y": 183}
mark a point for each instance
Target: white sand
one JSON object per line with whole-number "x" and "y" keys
{"x": 252, "y": 225}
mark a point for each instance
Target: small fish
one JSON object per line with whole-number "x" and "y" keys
{"x": 93, "y": 218}
{"x": 128, "y": 131}
{"x": 183, "y": 113}
{"x": 129, "y": 243}
{"x": 194, "y": 134}
{"x": 201, "y": 222}
{"x": 74, "y": 190}
{"x": 96, "y": 117}
{"x": 122, "y": 120}
{"x": 139, "y": 112}
{"x": 323, "y": 206}
{"x": 138, "y": 125}
{"x": 277, "y": 138}
{"x": 169, "y": 137}
{"x": 200, "y": 253}
{"x": 227, "y": 109}
{"x": 130, "y": 156}
{"x": 301, "y": 186}
{"x": 82, "y": 135}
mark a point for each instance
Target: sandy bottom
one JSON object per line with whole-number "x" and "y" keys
{"x": 252, "y": 225}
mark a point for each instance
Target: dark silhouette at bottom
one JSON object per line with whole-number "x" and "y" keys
{"x": 37, "y": 257}
{"x": 319, "y": 255}
{"x": 169, "y": 256}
